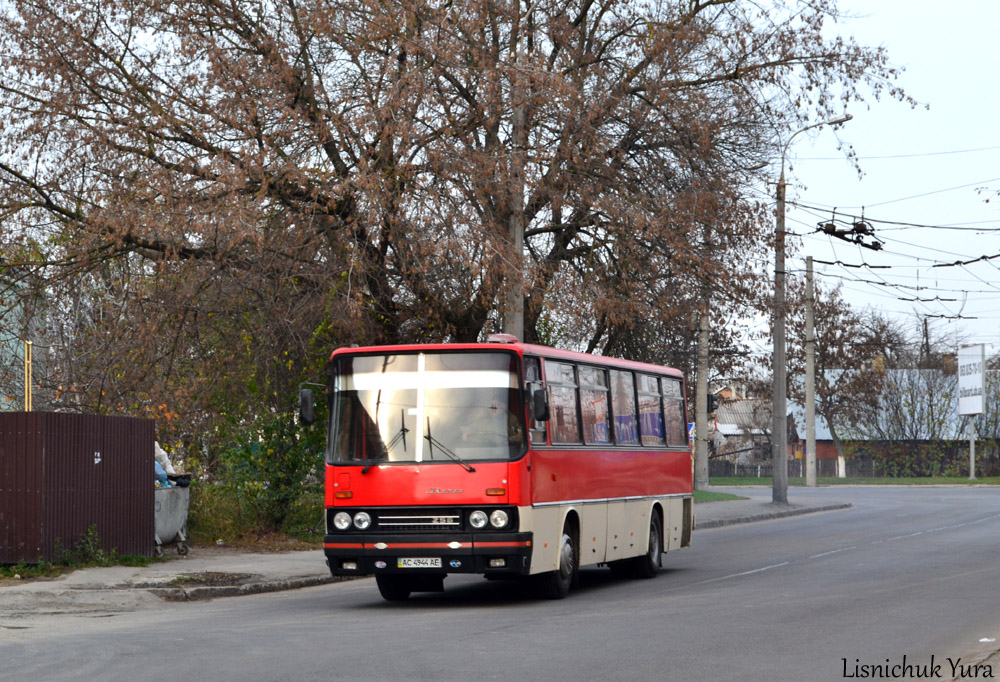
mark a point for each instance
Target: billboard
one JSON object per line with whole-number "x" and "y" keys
{"x": 971, "y": 373}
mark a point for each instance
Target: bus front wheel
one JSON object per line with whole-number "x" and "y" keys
{"x": 393, "y": 587}
{"x": 555, "y": 584}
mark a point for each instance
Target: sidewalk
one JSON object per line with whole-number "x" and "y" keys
{"x": 730, "y": 512}
{"x": 206, "y": 573}
{"x": 210, "y": 572}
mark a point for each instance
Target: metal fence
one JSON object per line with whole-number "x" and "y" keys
{"x": 62, "y": 473}
{"x": 856, "y": 468}
{"x": 864, "y": 466}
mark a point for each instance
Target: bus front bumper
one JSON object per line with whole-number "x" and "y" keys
{"x": 486, "y": 553}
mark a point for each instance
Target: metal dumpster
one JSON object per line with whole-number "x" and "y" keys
{"x": 171, "y": 518}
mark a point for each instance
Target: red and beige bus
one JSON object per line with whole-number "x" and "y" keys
{"x": 503, "y": 459}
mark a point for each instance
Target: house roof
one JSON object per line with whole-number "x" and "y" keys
{"x": 737, "y": 417}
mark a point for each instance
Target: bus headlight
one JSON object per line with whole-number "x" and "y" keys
{"x": 342, "y": 521}
{"x": 478, "y": 519}
{"x": 362, "y": 520}
{"x": 499, "y": 518}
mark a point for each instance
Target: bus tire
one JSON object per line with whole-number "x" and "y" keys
{"x": 555, "y": 584}
{"x": 648, "y": 565}
{"x": 393, "y": 587}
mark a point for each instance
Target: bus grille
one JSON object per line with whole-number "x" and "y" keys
{"x": 404, "y": 521}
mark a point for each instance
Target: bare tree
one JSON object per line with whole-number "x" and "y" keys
{"x": 853, "y": 350}
{"x": 212, "y": 194}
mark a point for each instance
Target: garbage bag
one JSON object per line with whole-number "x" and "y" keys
{"x": 161, "y": 476}
{"x": 163, "y": 459}
{"x": 180, "y": 480}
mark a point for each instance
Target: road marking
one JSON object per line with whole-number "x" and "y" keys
{"x": 740, "y": 575}
{"x": 903, "y": 537}
{"x": 835, "y": 551}
{"x": 967, "y": 523}
{"x": 845, "y": 549}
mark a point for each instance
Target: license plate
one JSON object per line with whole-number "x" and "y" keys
{"x": 418, "y": 562}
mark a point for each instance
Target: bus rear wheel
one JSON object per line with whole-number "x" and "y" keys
{"x": 648, "y": 565}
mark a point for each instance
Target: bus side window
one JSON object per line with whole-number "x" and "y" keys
{"x": 563, "y": 402}
{"x": 650, "y": 413}
{"x": 594, "y": 405}
{"x": 537, "y": 430}
{"x": 623, "y": 403}
{"x": 673, "y": 412}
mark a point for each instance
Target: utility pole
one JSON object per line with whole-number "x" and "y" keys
{"x": 779, "y": 405}
{"x": 513, "y": 315}
{"x": 810, "y": 379}
{"x": 701, "y": 481}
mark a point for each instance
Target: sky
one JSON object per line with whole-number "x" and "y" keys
{"x": 927, "y": 167}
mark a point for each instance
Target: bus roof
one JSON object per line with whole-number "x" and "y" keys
{"x": 512, "y": 346}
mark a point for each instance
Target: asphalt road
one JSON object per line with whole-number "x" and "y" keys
{"x": 906, "y": 572}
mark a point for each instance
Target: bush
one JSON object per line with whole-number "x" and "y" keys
{"x": 269, "y": 479}
{"x": 220, "y": 511}
{"x": 217, "y": 512}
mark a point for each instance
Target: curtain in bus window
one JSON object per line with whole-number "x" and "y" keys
{"x": 562, "y": 415}
{"x": 623, "y": 399}
{"x": 676, "y": 423}
{"x": 673, "y": 412}
{"x": 594, "y": 406}
{"x": 650, "y": 415}
{"x": 564, "y": 421}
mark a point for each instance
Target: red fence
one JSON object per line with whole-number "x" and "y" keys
{"x": 61, "y": 473}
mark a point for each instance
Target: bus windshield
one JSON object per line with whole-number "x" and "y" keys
{"x": 425, "y": 407}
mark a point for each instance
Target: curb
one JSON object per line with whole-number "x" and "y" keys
{"x": 204, "y": 592}
{"x": 767, "y": 516}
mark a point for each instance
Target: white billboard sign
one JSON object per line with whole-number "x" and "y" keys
{"x": 971, "y": 373}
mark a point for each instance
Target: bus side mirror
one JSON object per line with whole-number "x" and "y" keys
{"x": 307, "y": 406}
{"x": 540, "y": 405}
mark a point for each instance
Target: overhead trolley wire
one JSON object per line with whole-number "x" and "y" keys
{"x": 900, "y": 156}
{"x": 821, "y": 211}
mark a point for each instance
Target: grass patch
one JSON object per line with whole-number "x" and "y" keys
{"x": 711, "y": 496}
{"x": 86, "y": 552}
{"x": 260, "y": 541}
{"x": 919, "y": 480}
{"x": 40, "y": 571}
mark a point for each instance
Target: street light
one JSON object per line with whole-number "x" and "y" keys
{"x": 779, "y": 407}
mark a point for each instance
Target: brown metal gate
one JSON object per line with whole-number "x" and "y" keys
{"x": 61, "y": 473}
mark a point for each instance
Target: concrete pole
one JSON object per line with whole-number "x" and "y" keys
{"x": 810, "y": 379}
{"x": 513, "y": 314}
{"x": 701, "y": 480}
{"x": 779, "y": 408}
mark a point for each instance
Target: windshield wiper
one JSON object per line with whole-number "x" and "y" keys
{"x": 400, "y": 436}
{"x": 441, "y": 446}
